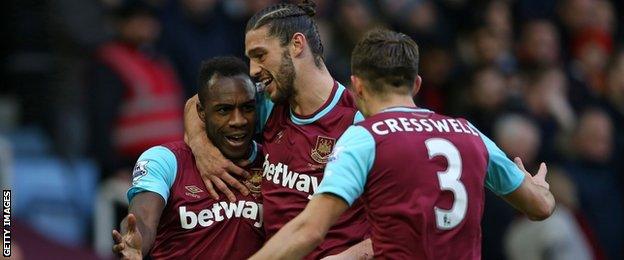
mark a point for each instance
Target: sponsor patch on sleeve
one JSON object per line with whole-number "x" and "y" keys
{"x": 334, "y": 155}
{"x": 139, "y": 171}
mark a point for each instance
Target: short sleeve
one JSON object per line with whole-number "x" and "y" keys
{"x": 154, "y": 171}
{"x": 503, "y": 176}
{"x": 347, "y": 170}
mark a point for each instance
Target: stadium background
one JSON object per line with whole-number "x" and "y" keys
{"x": 543, "y": 78}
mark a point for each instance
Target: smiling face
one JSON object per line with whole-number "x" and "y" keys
{"x": 271, "y": 64}
{"x": 229, "y": 113}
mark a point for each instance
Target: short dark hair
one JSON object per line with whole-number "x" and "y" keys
{"x": 222, "y": 66}
{"x": 385, "y": 58}
{"x": 285, "y": 19}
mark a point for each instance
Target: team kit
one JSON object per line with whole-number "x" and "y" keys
{"x": 281, "y": 161}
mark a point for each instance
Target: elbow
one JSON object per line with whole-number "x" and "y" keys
{"x": 544, "y": 210}
{"x": 314, "y": 236}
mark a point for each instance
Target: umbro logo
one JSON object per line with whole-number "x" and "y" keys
{"x": 192, "y": 191}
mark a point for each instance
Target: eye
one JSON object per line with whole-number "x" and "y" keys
{"x": 223, "y": 110}
{"x": 260, "y": 57}
{"x": 249, "y": 108}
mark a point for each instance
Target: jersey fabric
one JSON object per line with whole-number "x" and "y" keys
{"x": 421, "y": 176}
{"x": 296, "y": 151}
{"x": 193, "y": 225}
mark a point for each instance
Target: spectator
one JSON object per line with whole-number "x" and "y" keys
{"x": 194, "y": 30}
{"x": 539, "y": 45}
{"x": 517, "y": 136}
{"x": 591, "y": 49}
{"x": 591, "y": 169}
{"x": 486, "y": 97}
{"x": 545, "y": 100}
{"x": 559, "y": 237}
{"x": 572, "y": 16}
{"x": 437, "y": 67}
{"x": 80, "y": 29}
{"x": 136, "y": 103}
{"x": 355, "y": 19}
{"x": 135, "y": 96}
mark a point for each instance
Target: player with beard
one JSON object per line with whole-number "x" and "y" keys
{"x": 171, "y": 214}
{"x": 420, "y": 174}
{"x": 301, "y": 114}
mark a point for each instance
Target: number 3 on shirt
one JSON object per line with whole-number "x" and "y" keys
{"x": 449, "y": 180}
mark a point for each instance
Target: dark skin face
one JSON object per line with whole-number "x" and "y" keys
{"x": 229, "y": 114}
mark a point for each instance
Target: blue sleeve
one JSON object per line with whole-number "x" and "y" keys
{"x": 359, "y": 117}
{"x": 154, "y": 171}
{"x": 264, "y": 106}
{"x": 503, "y": 176}
{"x": 348, "y": 166}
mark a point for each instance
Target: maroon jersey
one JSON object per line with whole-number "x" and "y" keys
{"x": 193, "y": 225}
{"x": 296, "y": 151}
{"x": 421, "y": 176}
{"x": 416, "y": 189}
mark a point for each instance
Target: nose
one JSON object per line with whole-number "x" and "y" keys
{"x": 254, "y": 69}
{"x": 238, "y": 119}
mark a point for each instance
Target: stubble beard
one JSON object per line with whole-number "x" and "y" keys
{"x": 285, "y": 91}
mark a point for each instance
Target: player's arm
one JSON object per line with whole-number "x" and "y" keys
{"x": 214, "y": 168}
{"x": 138, "y": 229}
{"x": 533, "y": 197}
{"x": 527, "y": 193}
{"x": 306, "y": 231}
{"x": 361, "y": 251}
{"x": 152, "y": 179}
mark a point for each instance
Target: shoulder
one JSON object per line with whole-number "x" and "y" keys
{"x": 356, "y": 136}
{"x": 179, "y": 148}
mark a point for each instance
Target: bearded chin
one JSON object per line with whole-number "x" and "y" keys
{"x": 286, "y": 88}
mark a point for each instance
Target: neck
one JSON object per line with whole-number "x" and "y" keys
{"x": 376, "y": 105}
{"x": 245, "y": 160}
{"x": 312, "y": 88}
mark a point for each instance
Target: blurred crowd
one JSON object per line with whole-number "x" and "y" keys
{"x": 89, "y": 84}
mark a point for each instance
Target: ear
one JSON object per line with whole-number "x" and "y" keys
{"x": 416, "y": 86}
{"x": 201, "y": 112}
{"x": 357, "y": 85}
{"x": 298, "y": 43}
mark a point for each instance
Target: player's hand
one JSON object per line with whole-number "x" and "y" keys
{"x": 539, "y": 178}
{"x": 128, "y": 245}
{"x": 216, "y": 171}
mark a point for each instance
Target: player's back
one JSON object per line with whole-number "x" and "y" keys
{"x": 425, "y": 191}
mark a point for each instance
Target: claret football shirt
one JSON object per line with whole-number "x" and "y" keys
{"x": 193, "y": 225}
{"x": 421, "y": 177}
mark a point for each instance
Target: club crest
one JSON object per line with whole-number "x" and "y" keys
{"x": 253, "y": 182}
{"x": 322, "y": 149}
